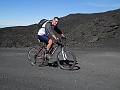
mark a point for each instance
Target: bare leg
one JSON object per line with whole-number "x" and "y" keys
{"x": 50, "y": 42}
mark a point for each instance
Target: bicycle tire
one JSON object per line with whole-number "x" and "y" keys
{"x": 36, "y": 56}
{"x": 66, "y": 60}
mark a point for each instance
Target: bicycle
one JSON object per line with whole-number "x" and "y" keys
{"x": 65, "y": 58}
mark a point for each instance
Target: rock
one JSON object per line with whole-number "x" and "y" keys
{"x": 95, "y": 39}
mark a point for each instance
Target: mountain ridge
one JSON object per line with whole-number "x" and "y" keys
{"x": 81, "y": 29}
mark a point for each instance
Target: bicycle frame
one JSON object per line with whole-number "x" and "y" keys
{"x": 40, "y": 49}
{"x": 62, "y": 50}
{"x": 55, "y": 49}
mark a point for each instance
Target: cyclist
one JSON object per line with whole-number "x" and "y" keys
{"x": 45, "y": 33}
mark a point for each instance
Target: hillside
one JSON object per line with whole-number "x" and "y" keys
{"x": 97, "y": 29}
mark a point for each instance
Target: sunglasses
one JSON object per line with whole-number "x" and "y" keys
{"x": 56, "y": 21}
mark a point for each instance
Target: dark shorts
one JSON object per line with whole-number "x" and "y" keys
{"x": 43, "y": 38}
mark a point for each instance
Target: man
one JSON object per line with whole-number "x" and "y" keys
{"x": 46, "y": 32}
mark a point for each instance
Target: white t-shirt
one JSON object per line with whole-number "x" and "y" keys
{"x": 42, "y": 30}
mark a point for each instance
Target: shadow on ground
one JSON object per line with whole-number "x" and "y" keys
{"x": 62, "y": 62}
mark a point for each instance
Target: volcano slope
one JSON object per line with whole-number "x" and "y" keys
{"x": 97, "y": 29}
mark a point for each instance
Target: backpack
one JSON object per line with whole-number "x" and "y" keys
{"x": 42, "y": 22}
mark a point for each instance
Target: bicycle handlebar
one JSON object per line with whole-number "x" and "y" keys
{"x": 60, "y": 41}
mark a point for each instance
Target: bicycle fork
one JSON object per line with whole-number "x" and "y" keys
{"x": 64, "y": 54}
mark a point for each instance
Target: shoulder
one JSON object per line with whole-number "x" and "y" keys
{"x": 49, "y": 23}
{"x": 56, "y": 27}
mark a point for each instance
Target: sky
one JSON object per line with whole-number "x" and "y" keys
{"x": 27, "y": 12}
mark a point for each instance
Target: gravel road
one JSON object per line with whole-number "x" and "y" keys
{"x": 97, "y": 69}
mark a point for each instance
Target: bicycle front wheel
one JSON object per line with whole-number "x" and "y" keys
{"x": 66, "y": 60}
{"x": 36, "y": 56}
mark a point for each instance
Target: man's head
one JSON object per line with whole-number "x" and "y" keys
{"x": 55, "y": 21}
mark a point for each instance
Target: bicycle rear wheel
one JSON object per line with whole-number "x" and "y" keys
{"x": 36, "y": 56}
{"x": 66, "y": 60}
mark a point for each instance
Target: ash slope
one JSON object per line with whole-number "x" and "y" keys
{"x": 97, "y": 29}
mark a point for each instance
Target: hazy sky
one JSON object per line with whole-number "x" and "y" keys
{"x": 27, "y": 12}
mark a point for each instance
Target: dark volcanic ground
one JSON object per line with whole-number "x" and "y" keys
{"x": 98, "y": 29}
{"x": 99, "y": 70}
